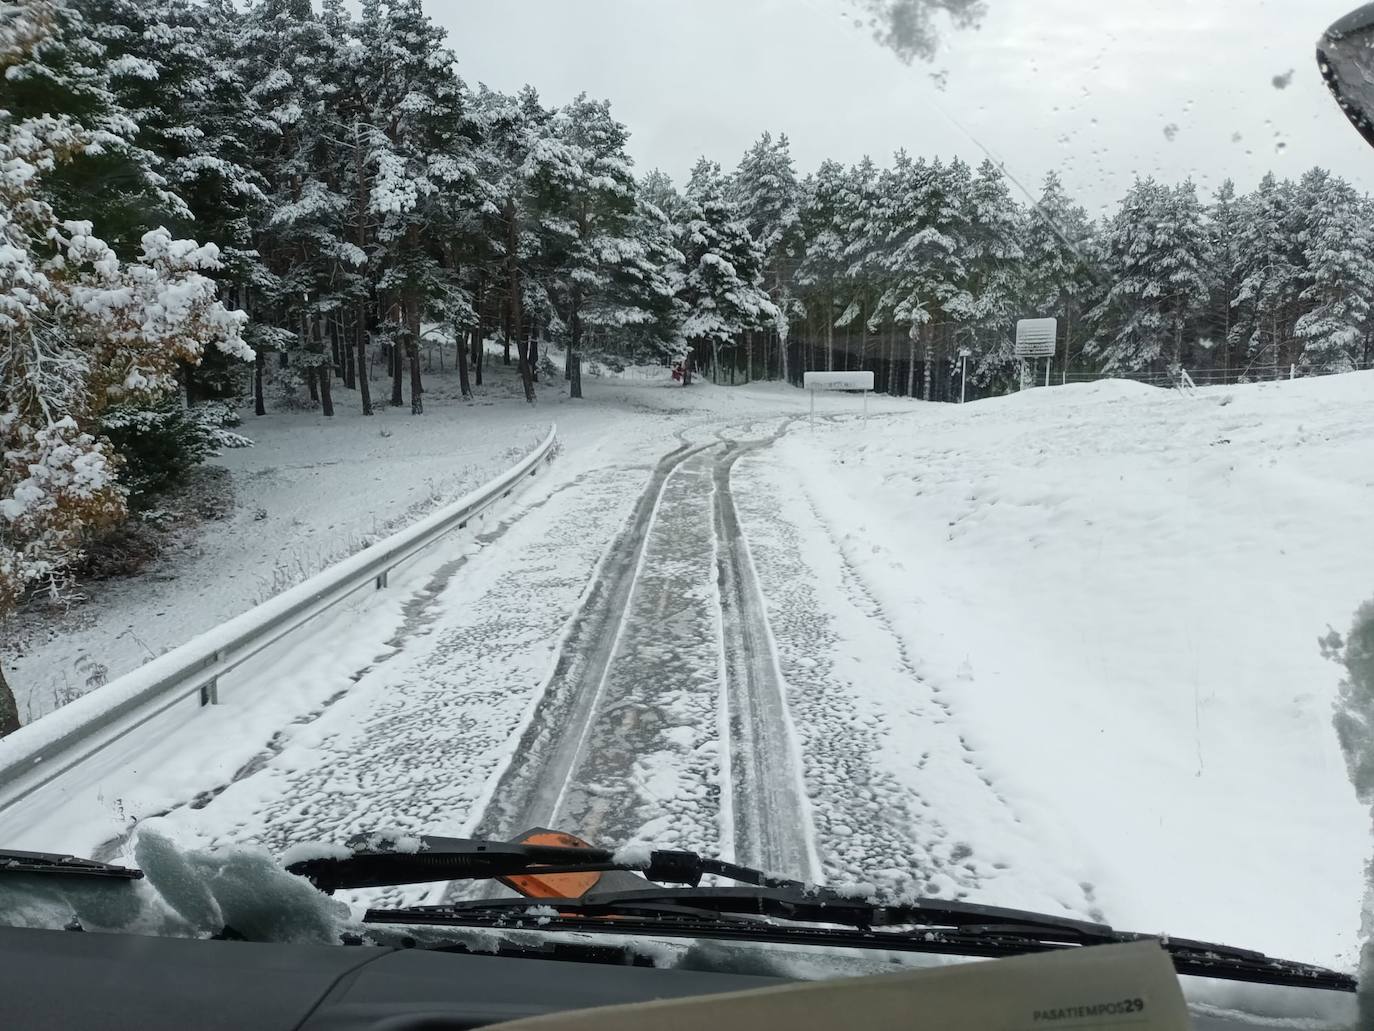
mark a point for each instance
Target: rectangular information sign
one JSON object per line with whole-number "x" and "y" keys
{"x": 1035, "y": 338}
{"x": 838, "y": 381}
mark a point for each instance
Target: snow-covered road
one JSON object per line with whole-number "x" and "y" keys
{"x": 598, "y": 659}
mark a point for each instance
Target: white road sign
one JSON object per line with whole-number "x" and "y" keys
{"x": 839, "y": 381}
{"x": 1035, "y": 338}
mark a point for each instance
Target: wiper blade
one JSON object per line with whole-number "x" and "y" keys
{"x": 55, "y": 864}
{"x": 921, "y": 926}
{"x": 378, "y": 862}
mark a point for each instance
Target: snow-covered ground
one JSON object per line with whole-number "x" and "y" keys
{"x": 1056, "y": 651}
{"x": 1113, "y": 594}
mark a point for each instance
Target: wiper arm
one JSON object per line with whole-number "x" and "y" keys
{"x": 377, "y": 862}
{"x": 920, "y": 926}
{"x": 799, "y": 904}
{"x": 55, "y": 864}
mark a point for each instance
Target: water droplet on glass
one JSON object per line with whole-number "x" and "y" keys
{"x": 1282, "y": 81}
{"x": 1170, "y": 131}
{"x": 1280, "y": 147}
{"x": 1235, "y": 137}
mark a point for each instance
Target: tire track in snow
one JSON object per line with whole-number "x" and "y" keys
{"x": 529, "y": 789}
{"x": 648, "y": 768}
{"x": 772, "y": 820}
{"x": 671, "y": 656}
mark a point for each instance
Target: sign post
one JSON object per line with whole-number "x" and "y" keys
{"x": 1036, "y": 338}
{"x": 964, "y": 352}
{"x": 814, "y": 381}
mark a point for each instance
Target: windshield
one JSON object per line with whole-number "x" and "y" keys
{"x": 914, "y": 444}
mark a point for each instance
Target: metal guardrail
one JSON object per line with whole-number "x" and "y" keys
{"x": 37, "y": 754}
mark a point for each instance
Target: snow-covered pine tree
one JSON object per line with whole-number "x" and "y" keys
{"x": 518, "y": 147}
{"x": 821, "y": 272}
{"x": 649, "y": 282}
{"x": 765, "y": 190}
{"x": 1155, "y": 251}
{"x": 166, "y": 68}
{"x": 657, "y": 188}
{"x": 116, "y": 181}
{"x": 588, "y": 199}
{"x": 424, "y": 170}
{"x": 920, "y": 227}
{"x": 1338, "y": 273}
{"x": 861, "y": 207}
{"x": 1269, "y": 268}
{"x": 1224, "y": 218}
{"x": 292, "y": 60}
{"x": 722, "y": 286}
{"x": 995, "y": 267}
{"x": 1057, "y": 264}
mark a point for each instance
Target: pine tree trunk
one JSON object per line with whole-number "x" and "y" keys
{"x": 364, "y": 373}
{"x": 911, "y": 370}
{"x": 748, "y": 355}
{"x": 411, "y": 313}
{"x": 784, "y": 335}
{"x": 513, "y": 301}
{"x": 259, "y": 363}
{"x": 397, "y": 371}
{"x": 9, "y": 708}
{"x": 715, "y": 361}
{"x": 477, "y": 350}
{"x": 534, "y": 352}
{"x": 464, "y": 385}
{"x": 829, "y": 335}
{"x": 349, "y": 357}
{"x": 324, "y": 373}
{"x": 335, "y": 354}
{"x": 575, "y": 342}
{"x": 929, "y": 359}
{"x": 326, "y": 397}
{"x": 311, "y": 383}
{"x": 1068, "y": 342}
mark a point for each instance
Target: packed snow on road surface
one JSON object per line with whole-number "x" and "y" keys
{"x": 1103, "y": 601}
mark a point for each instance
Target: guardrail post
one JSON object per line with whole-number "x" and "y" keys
{"x": 209, "y": 692}
{"x": 382, "y": 579}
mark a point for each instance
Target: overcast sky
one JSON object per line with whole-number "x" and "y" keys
{"x": 1086, "y": 86}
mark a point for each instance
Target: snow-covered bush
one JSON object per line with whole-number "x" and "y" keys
{"x": 158, "y": 446}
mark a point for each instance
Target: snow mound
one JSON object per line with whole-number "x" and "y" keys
{"x": 1117, "y": 592}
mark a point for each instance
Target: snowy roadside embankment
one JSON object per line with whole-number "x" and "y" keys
{"x": 1118, "y": 592}
{"x": 311, "y": 492}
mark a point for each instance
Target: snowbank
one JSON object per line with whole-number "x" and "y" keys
{"x": 1119, "y": 591}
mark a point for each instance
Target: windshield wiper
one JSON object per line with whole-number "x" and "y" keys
{"x": 378, "y": 862}
{"x": 931, "y": 926}
{"x": 55, "y": 864}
